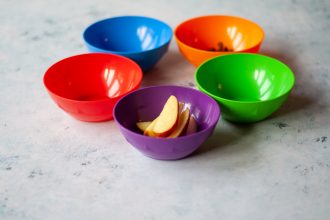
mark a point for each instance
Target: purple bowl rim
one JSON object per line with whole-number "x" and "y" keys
{"x": 214, "y": 123}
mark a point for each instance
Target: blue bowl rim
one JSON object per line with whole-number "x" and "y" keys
{"x": 128, "y": 52}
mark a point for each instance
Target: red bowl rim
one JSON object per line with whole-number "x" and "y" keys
{"x": 93, "y": 54}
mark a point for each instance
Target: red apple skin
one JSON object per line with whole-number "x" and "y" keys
{"x": 182, "y": 124}
{"x": 192, "y": 125}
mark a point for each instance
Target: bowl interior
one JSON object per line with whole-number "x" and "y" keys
{"x": 245, "y": 77}
{"x": 146, "y": 104}
{"x": 91, "y": 77}
{"x": 207, "y": 32}
{"x": 128, "y": 34}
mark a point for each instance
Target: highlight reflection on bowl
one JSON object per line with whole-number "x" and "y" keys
{"x": 88, "y": 86}
{"x": 142, "y": 39}
{"x": 248, "y": 87}
{"x": 202, "y": 38}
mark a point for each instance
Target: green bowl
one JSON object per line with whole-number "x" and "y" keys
{"x": 248, "y": 87}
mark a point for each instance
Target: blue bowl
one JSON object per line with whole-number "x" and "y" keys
{"x": 142, "y": 39}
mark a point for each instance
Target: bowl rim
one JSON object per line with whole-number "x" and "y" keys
{"x": 214, "y": 123}
{"x": 138, "y": 68}
{"x": 219, "y": 16}
{"x": 129, "y": 17}
{"x": 290, "y": 72}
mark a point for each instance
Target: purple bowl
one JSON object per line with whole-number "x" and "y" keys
{"x": 146, "y": 104}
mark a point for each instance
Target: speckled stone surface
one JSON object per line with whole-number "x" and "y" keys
{"x": 54, "y": 167}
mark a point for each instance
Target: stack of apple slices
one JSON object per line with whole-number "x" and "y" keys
{"x": 172, "y": 122}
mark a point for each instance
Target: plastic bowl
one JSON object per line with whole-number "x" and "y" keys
{"x": 88, "y": 86}
{"x": 248, "y": 87}
{"x": 198, "y": 38}
{"x": 146, "y": 104}
{"x": 142, "y": 39}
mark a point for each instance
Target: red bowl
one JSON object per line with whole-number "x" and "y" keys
{"x": 88, "y": 86}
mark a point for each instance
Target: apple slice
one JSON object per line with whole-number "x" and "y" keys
{"x": 181, "y": 105}
{"x": 168, "y": 118}
{"x": 149, "y": 130}
{"x": 143, "y": 125}
{"x": 182, "y": 123}
{"x": 192, "y": 125}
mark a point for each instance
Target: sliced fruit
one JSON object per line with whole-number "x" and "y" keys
{"x": 168, "y": 118}
{"x": 143, "y": 125}
{"x": 181, "y": 105}
{"x": 149, "y": 130}
{"x": 182, "y": 124}
{"x": 192, "y": 125}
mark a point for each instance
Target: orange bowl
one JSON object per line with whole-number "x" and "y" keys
{"x": 202, "y": 38}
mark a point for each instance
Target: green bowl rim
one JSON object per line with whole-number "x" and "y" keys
{"x": 249, "y": 54}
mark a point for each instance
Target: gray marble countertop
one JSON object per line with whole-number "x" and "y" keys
{"x": 55, "y": 167}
